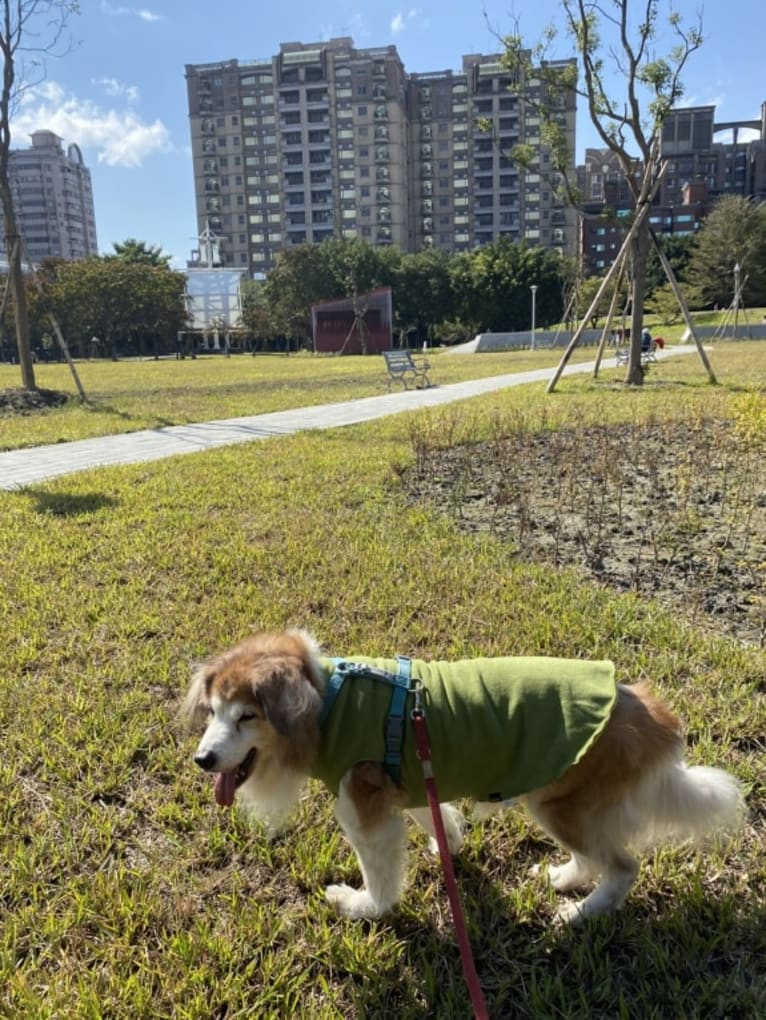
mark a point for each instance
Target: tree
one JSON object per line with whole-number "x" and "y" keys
{"x": 615, "y": 42}
{"x": 678, "y": 249}
{"x": 132, "y": 250}
{"x": 301, "y": 276}
{"x": 118, "y": 301}
{"x": 492, "y": 286}
{"x": 30, "y": 30}
{"x": 734, "y": 233}
{"x": 587, "y": 292}
{"x": 423, "y": 293}
{"x": 309, "y": 273}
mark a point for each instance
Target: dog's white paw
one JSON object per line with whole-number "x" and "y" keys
{"x": 353, "y": 903}
{"x": 570, "y": 913}
{"x": 454, "y": 824}
{"x": 573, "y": 874}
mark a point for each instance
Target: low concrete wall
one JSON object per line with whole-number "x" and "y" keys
{"x": 486, "y": 342}
{"x": 756, "y": 331}
{"x": 493, "y": 342}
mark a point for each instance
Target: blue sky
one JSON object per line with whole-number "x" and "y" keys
{"x": 120, "y": 94}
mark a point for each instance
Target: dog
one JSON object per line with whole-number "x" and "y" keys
{"x": 621, "y": 786}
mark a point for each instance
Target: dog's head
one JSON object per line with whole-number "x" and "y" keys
{"x": 262, "y": 701}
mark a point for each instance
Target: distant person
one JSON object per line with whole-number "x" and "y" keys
{"x": 646, "y": 341}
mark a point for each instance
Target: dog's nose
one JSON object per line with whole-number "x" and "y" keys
{"x": 206, "y": 760}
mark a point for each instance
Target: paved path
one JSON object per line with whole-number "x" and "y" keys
{"x": 35, "y": 464}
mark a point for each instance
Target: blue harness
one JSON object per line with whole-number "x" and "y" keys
{"x": 400, "y": 688}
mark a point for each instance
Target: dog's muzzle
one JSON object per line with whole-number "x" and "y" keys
{"x": 207, "y": 760}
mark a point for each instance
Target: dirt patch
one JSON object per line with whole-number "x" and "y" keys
{"x": 674, "y": 511}
{"x": 20, "y": 401}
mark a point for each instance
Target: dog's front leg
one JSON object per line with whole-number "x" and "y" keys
{"x": 367, "y": 810}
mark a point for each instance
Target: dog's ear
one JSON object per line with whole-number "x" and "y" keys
{"x": 196, "y": 700}
{"x": 289, "y": 701}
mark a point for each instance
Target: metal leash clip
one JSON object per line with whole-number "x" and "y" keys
{"x": 418, "y": 712}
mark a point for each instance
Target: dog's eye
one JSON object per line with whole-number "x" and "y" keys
{"x": 247, "y": 717}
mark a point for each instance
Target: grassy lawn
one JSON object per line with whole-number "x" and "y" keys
{"x": 129, "y": 395}
{"x": 126, "y": 894}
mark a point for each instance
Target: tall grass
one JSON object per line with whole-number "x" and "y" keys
{"x": 126, "y": 894}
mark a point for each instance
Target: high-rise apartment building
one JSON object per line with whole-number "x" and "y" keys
{"x": 327, "y": 140}
{"x": 52, "y": 199}
{"x": 729, "y": 156}
{"x": 707, "y": 159}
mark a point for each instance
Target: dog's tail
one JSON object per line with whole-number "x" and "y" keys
{"x": 679, "y": 802}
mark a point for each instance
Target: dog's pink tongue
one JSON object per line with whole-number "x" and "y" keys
{"x": 225, "y": 788}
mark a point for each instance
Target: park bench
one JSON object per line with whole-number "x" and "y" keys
{"x": 648, "y": 354}
{"x": 403, "y": 368}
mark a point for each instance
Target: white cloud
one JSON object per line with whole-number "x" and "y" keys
{"x": 119, "y": 137}
{"x": 112, "y": 87}
{"x": 130, "y": 12}
{"x": 412, "y": 18}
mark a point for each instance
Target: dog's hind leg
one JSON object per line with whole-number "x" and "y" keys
{"x": 596, "y": 842}
{"x": 576, "y": 873}
{"x": 618, "y": 874}
{"x": 454, "y": 823}
{"x": 368, "y": 813}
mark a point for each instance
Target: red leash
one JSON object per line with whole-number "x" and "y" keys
{"x": 466, "y": 956}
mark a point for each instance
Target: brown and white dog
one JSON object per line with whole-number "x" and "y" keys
{"x": 631, "y": 788}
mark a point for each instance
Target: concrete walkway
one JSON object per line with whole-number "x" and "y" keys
{"x": 35, "y": 464}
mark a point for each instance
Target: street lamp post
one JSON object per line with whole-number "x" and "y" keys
{"x": 533, "y": 288}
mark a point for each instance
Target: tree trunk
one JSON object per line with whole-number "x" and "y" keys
{"x": 13, "y": 251}
{"x": 640, "y": 255}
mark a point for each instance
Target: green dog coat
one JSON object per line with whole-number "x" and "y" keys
{"x": 498, "y": 728}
